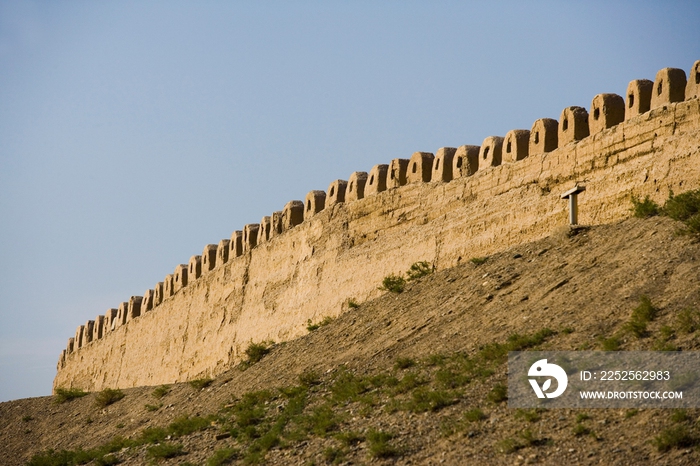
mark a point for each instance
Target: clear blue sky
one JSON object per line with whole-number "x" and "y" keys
{"x": 134, "y": 133}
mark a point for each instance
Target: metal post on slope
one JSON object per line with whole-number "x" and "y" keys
{"x": 572, "y": 196}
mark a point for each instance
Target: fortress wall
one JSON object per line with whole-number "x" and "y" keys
{"x": 311, "y": 270}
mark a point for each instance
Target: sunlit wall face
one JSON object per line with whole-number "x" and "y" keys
{"x": 131, "y": 134}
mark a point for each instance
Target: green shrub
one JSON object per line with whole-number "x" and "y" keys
{"x": 404, "y": 363}
{"x": 684, "y": 206}
{"x": 321, "y": 421}
{"x": 529, "y": 415}
{"x": 223, "y": 456}
{"x": 326, "y": 320}
{"x": 161, "y": 391}
{"x": 678, "y": 436}
{"x": 424, "y": 399}
{"x": 393, "y": 283}
{"x": 418, "y": 270}
{"x": 644, "y": 209}
{"x": 309, "y": 378}
{"x": 165, "y": 450}
{"x": 349, "y": 438}
{"x": 334, "y": 455}
{"x": 641, "y": 315}
{"x": 687, "y": 321}
{"x": 108, "y": 396}
{"x": 379, "y": 446}
{"x": 199, "y": 384}
{"x": 63, "y": 395}
{"x": 580, "y": 429}
{"x": 498, "y": 394}
{"x": 352, "y": 304}
{"x": 185, "y": 425}
{"x": 153, "y": 435}
{"x": 257, "y": 351}
{"x": 679, "y": 415}
{"x": 645, "y": 311}
{"x": 478, "y": 260}
{"x": 610, "y": 344}
{"x": 474, "y": 415}
{"x": 151, "y": 408}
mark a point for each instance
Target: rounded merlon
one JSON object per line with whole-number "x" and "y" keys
{"x": 465, "y": 161}
{"x": 264, "y": 230}
{"x": 180, "y": 277}
{"x": 110, "y": 320}
{"x": 209, "y": 257}
{"x": 122, "y": 315}
{"x": 573, "y": 125}
{"x": 607, "y": 110}
{"x": 147, "y": 303}
{"x": 692, "y": 88}
{"x": 87, "y": 331}
{"x": 638, "y": 97}
{"x": 134, "y": 309}
{"x": 314, "y": 203}
{"x": 420, "y": 167}
{"x": 292, "y": 215}
{"x": 169, "y": 285}
{"x": 70, "y": 347}
{"x": 276, "y": 223}
{"x": 669, "y": 87}
{"x": 336, "y": 192}
{"x": 442, "y": 164}
{"x": 397, "y": 173}
{"x": 516, "y": 145}
{"x": 222, "y": 251}
{"x": 158, "y": 293}
{"x": 250, "y": 236}
{"x": 490, "y": 154}
{"x": 376, "y": 179}
{"x": 356, "y": 186}
{"x": 544, "y": 136}
{"x": 78, "y": 337}
{"x": 236, "y": 244}
{"x": 99, "y": 328}
{"x": 194, "y": 268}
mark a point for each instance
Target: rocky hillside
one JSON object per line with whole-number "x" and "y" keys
{"x": 416, "y": 377}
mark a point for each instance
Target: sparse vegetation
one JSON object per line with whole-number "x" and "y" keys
{"x": 474, "y": 415}
{"x": 529, "y": 415}
{"x": 678, "y": 436}
{"x": 404, "y": 363}
{"x": 685, "y": 208}
{"x": 108, "y": 396}
{"x": 379, "y": 446}
{"x": 393, "y": 283}
{"x": 478, "y": 260}
{"x": 326, "y": 320}
{"x": 63, "y": 395}
{"x": 200, "y": 384}
{"x": 688, "y": 321}
{"x": 644, "y": 313}
{"x": 224, "y": 456}
{"x": 418, "y": 270}
{"x": 160, "y": 392}
{"x": 498, "y": 394}
{"x": 165, "y": 450}
{"x": 352, "y": 304}
{"x": 645, "y": 208}
{"x": 257, "y": 351}
{"x": 610, "y": 344}
{"x": 152, "y": 408}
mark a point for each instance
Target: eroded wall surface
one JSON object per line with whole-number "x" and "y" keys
{"x": 344, "y": 251}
